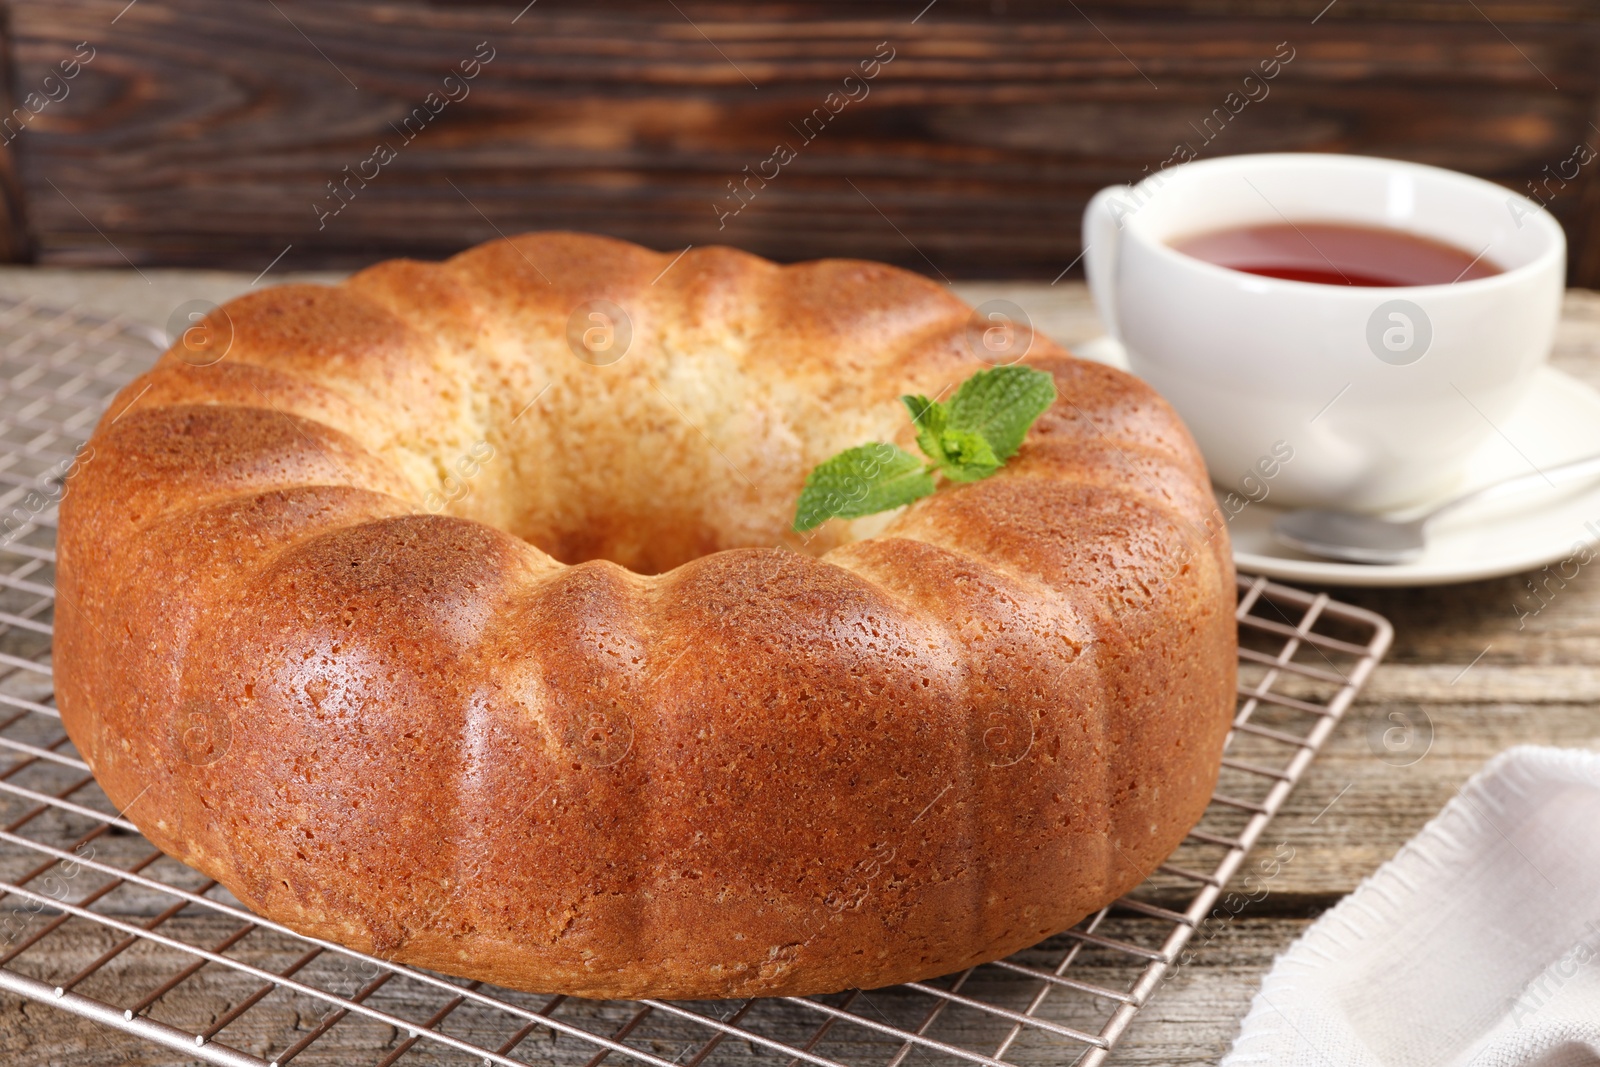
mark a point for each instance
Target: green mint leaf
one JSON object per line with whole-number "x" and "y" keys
{"x": 967, "y": 439}
{"x": 861, "y": 481}
{"x": 929, "y": 417}
{"x": 1001, "y": 404}
{"x": 968, "y": 456}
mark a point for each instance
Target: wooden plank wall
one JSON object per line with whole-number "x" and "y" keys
{"x": 959, "y": 138}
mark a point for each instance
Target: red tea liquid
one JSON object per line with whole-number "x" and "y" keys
{"x": 1332, "y": 253}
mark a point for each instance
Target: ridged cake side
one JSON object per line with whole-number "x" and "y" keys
{"x": 702, "y": 757}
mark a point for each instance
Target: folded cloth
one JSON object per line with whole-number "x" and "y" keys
{"x": 1478, "y": 945}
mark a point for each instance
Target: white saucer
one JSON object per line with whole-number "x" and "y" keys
{"x": 1559, "y": 421}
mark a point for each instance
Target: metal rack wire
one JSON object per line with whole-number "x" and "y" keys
{"x": 95, "y": 921}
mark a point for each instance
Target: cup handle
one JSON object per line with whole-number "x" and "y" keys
{"x": 1102, "y": 229}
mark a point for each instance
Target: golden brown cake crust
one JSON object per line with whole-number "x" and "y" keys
{"x": 423, "y": 635}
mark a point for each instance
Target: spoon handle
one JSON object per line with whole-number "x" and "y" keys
{"x": 1570, "y": 471}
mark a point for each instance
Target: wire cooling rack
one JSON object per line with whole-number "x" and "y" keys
{"x": 95, "y": 921}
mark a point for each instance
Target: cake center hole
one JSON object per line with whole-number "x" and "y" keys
{"x": 647, "y": 468}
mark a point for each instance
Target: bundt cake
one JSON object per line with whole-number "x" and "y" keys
{"x": 453, "y": 613}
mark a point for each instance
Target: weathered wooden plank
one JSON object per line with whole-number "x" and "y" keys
{"x": 1191, "y": 1020}
{"x": 1460, "y": 684}
{"x": 208, "y": 136}
{"x": 19, "y": 102}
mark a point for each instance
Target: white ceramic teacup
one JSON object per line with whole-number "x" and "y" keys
{"x": 1378, "y": 395}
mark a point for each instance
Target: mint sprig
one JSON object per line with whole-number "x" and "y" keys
{"x": 966, "y": 440}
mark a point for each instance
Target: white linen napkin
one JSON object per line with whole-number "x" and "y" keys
{"x": 1478, "y": 945}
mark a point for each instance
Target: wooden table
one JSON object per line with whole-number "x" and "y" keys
{"x": 1484, "y": 673}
